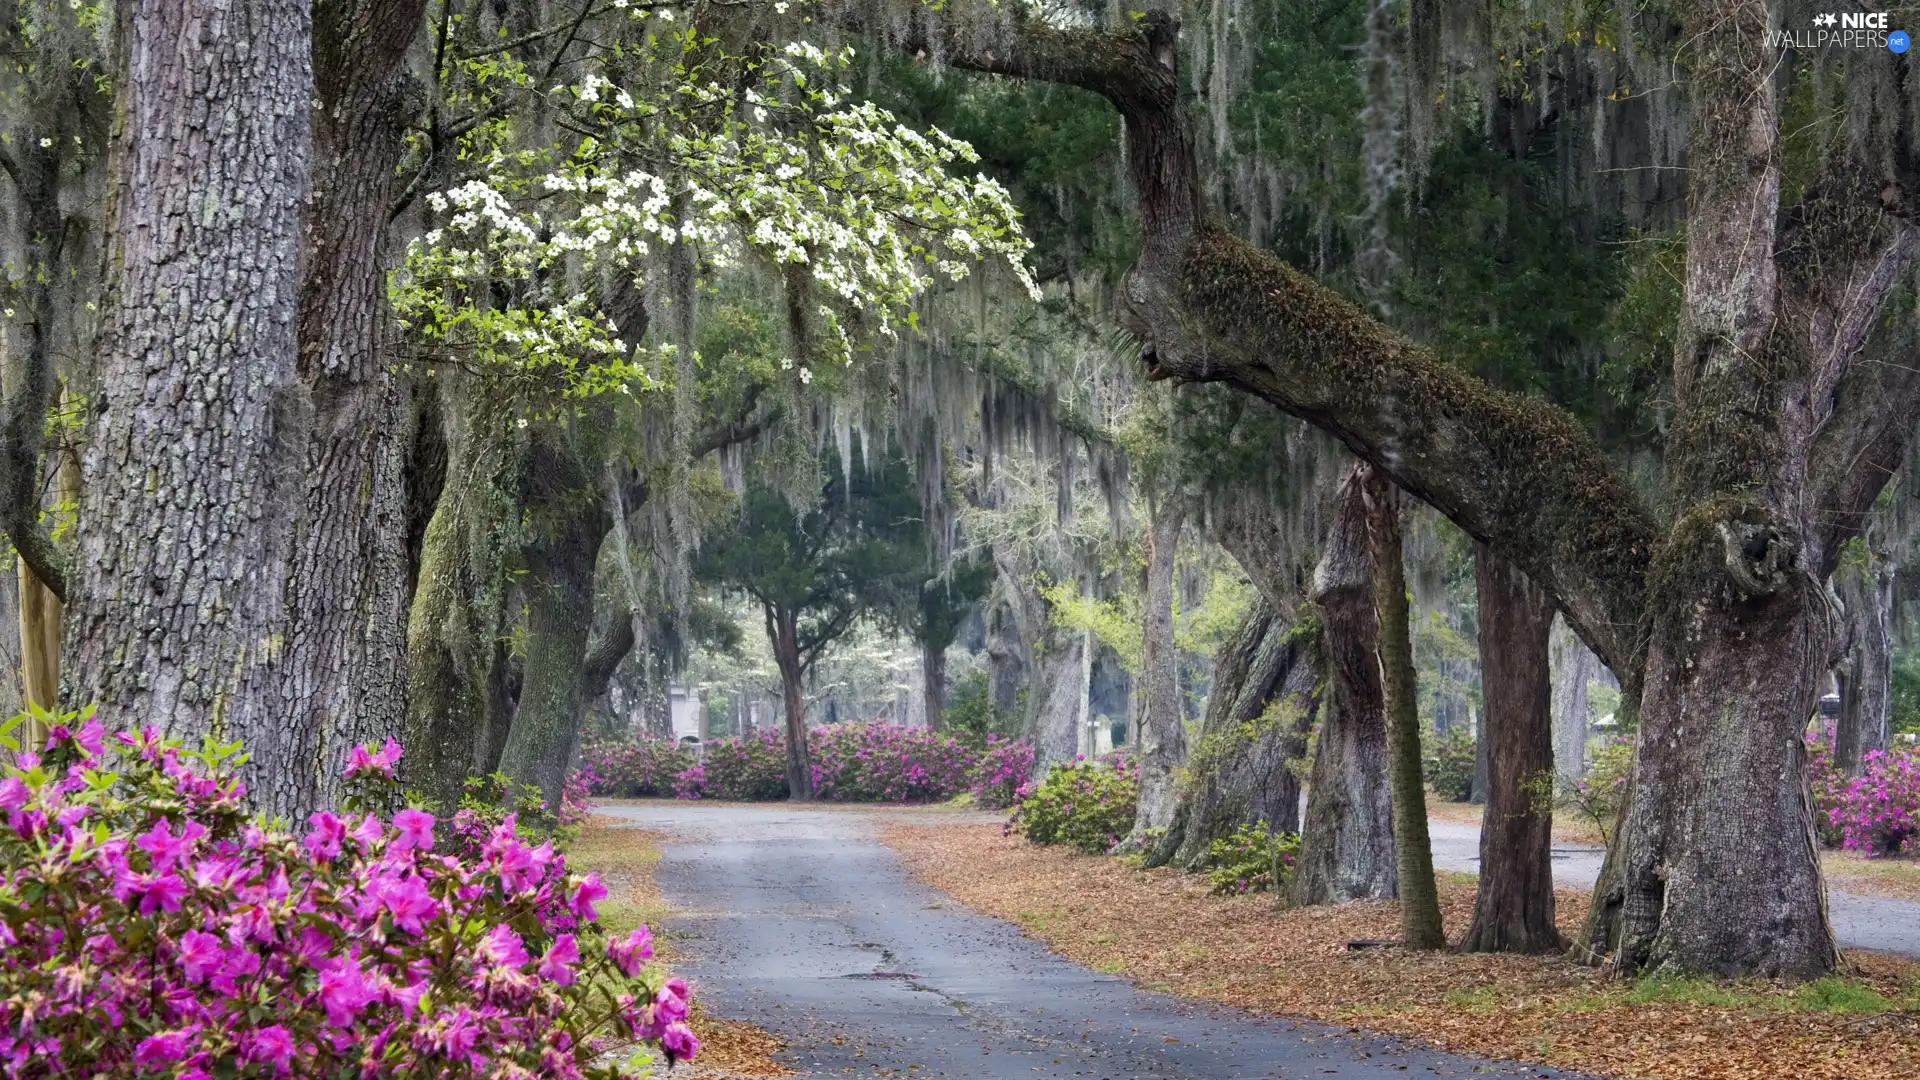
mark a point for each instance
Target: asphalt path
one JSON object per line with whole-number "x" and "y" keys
{"x": 1859, "y": 922}
{"x": 801, "y": 921}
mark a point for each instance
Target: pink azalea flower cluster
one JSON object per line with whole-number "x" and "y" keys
{"x": 150, "y": 925}
{"x": 887, "y": 763}
{"x": 1879, "y": 811}
{"x": 1088, "y": 805}
{"x": 1003, "y": 767}
{"x": 851, "y": 763}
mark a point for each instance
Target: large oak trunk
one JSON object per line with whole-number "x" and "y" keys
{"x": 567, "y": 520}
{"x": 784, "y": 633}
{"x": 1573, "y": 666}
{"x": 1866, "y": 596}
{"x": 1163, "y": 732}
{"x": 1264, "y": 700}
{"x": 1347, "y": 841}
{"x": 192, "y": 471}
{"x": 1513, "y": 905}
{"x": 343, "y": 681}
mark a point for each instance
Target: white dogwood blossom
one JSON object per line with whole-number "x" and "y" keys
{"x": 791, "y": 173}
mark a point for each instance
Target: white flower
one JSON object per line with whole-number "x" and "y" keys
{"x": 44, "y": 143}
{"x": 786, "y": 362}
{"x": 806, "y": 376}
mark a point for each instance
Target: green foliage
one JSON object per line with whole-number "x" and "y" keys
{"x": 1904, "y": 708}
{"x": 971, "y": 715}
{"x": 1086, "y": 805}
{"x": 1595, "y": 797}
{"x": 491, "y": 798}
{"x": 1253, "y": 859}
{"x": 1448, "y": 763}
{"x": 1115, "y": 621}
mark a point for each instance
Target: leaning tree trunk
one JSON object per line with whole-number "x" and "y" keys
{"x": 1420, "y": 926}
{"x": 1243, "y": 771}
{"x": 567, "y": 518}
{"x": 1347, "y": 841}
{"x": 343, "y": 681}
{"x": 1866, "y": 594}
{"x": 192, "y": 477}
{"x": 1513, "y": 906}
{"x": 1163, "y": 731}
{"x": 1054, "y": 696}
{"x": 1573, "y": 667}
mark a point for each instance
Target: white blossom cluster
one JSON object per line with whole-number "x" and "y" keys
{"x": 790, "y": 172}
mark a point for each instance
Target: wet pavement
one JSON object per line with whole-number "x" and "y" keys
{"x": 802, "y": 922}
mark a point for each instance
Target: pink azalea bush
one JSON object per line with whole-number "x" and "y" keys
{"x": 1002, "y": 767}
{"x": 1879, "y": 811}
{"x": 1087, "y": 805}
{"x": 150, "y": 925}
{"x": 752, "y": 768}
{"x": 637, "y": 769}
{"x": 887, "y": 763}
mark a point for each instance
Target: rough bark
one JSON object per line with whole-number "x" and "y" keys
{"x": 343, "y": 679}
{"x": 1420, "y": 926}
{"x": 1245, "y": 768}
{"x": 933, "y": 679}
{"x": 1163, "y": 733}
{"x": 559, "y": 554}
{"x": 1866, "y": 598}
{"x": 1513, "y": 904}
{"x": 192, "y": 469}
{"x": 1054, "y": 697}
{"x": 1573, "y": 667}
{"x": 1347, "y": 842}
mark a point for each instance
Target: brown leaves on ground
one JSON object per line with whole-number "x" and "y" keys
{"x": 1895, "y": 877}
{"x": 1161, "y": 929}
{"x": 626, "y": 859}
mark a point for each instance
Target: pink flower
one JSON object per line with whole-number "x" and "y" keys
{"x": 502, "y": 946}
{"x": 680, "y": 1042}
{"x": 323, "y": 841}
{"x": 669, "y": 1006}
{"x": 584, "y": 897}
{"x": 557, "y": 965}
{"x": 344, "y": 992}
{"x": 166, "y": 848}
{"x": 416, "y": 830}
{"x": 631, "y": 952}
{"x": 200, "y": 955}
{"x": 14, "y": 793}
{"x": 165, "y": 1048}
{"x": 270, "y": 1043}
{"x": 407, "y": 900}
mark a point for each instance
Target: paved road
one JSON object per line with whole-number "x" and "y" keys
{"x": 1859, "y": 922}
{"x": 801, "y": 921}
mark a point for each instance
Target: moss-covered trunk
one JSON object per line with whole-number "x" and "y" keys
{"x": 1163, "y": 733}
{"x": 1263, "y": 703}
{"x": 457, "y": 619}
{"x": 1513, "y": 905}
{"x": 1865, "y": 588}
{"x": 1420, "y": 926}
{"x": 1347, "y": 840}
{"x": 567, "y": 519}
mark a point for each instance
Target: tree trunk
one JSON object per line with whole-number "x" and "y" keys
{"x": 193, "y": 463}
{"x": 1573, "y": 667}
{"x": 784, "y": 632}
{"x": 1243, "y": 771}
{"x": 1420, "y": 926}
{"x": 567, "y": 520}
{"x": 343, "y": 679}
{"x": 1163, "y": 731}
{"x": 933, "y": 674}
{"x": 1513, "y": 905}
{"x": 39, "y": 666}
{"x": 456, "y": 620}
{"x": 1866, "y": 595}
{"x": 1347, "y": 841}
{"x": 1053, "y": 698}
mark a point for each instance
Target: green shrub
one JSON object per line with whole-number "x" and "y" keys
{"x": 1447, "y": 764}
{"x": 1088, "y": 805}
{"x": 1253, "y": 859}
{"x": 1595, "y": 797}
